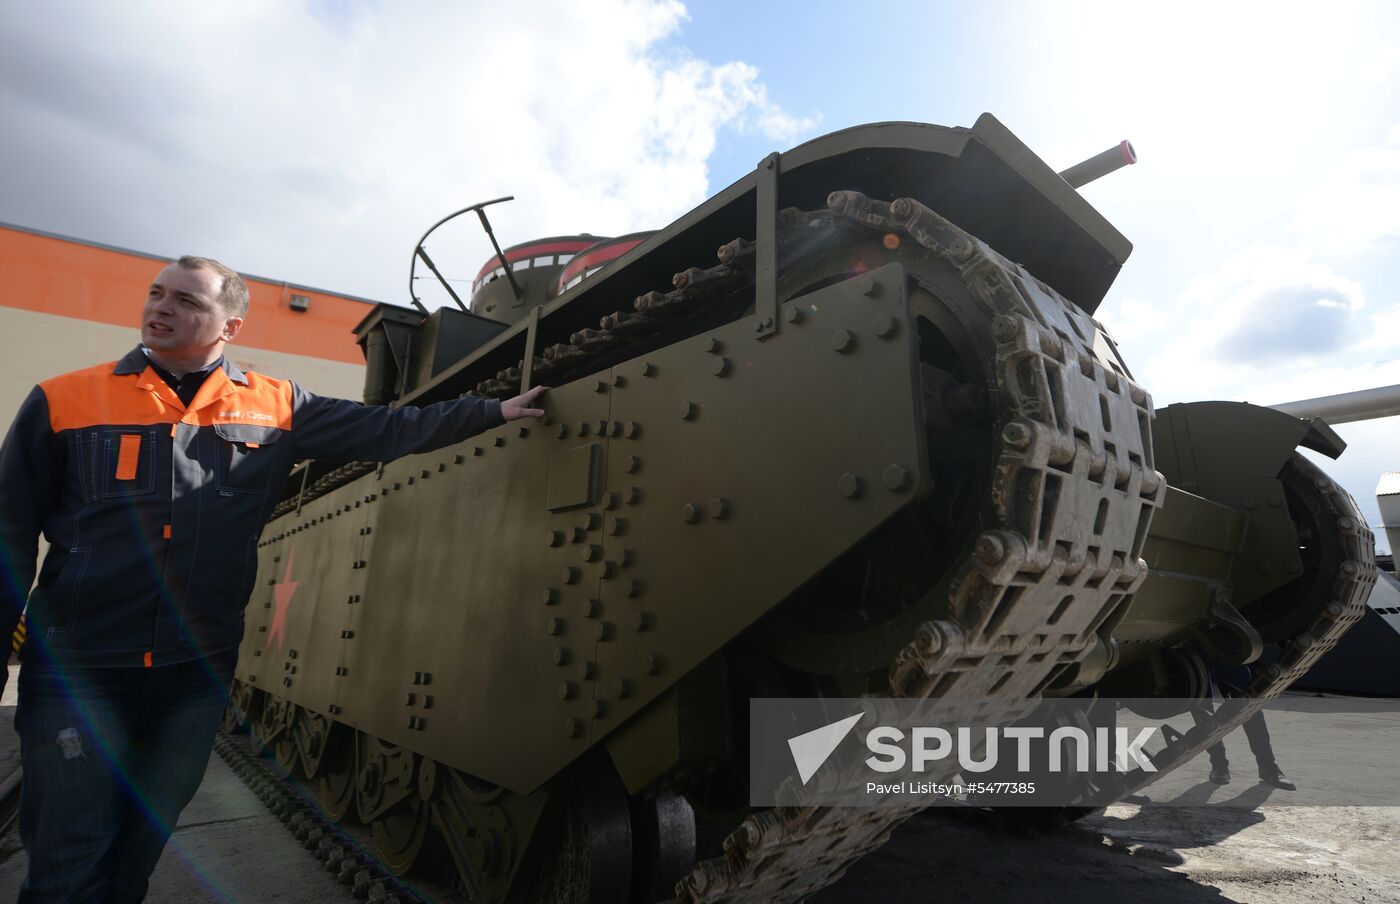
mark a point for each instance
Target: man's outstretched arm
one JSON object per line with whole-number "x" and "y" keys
{"x": 341, "y": 430}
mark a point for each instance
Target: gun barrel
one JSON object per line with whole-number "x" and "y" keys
{"x": 1116, "y": 157}
{"x": 1362, "y": 405}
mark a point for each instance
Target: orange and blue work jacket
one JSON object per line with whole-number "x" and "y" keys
{"x": 153, "y": 508}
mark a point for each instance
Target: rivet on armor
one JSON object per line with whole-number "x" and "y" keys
{"x": 633, "y": 465}
{"x": 593, "y": 520}
{"x": 583, "y": 428}
{"x": 410, "y": 698}
{"x": 602, "y": 428}
{"x": 1016, "y": 434}
{"x": 1249, "y": 504}
{"x": 477, "y": 450}
{"x": 561, "y": 656}
{"x": 758, "y": 326}
{"x": 590, "y": 608}
{"x": 554, "y": 626}
{"x": 634, "y": 430}
{"x": 719, "y": 507}
{"x": 573, "y": 727}
{"x": 576, "y": 534}
{"x": 566, "y": 691}
{"x": 427, "y": 677}
{"x": 292, "y": 654}
{"x": 885, "y": 326}
{"x": 713, "y": 346}
{"x": 611, "y": 501}
{"x": 615, "y": 428}
{"x": 643, "y": 621}
{"x": 524, "y": 432}
{"x": 427, "y": 701}
{"x": 1004, "y": 327}
{"x": 687, "y": 411}
{"x": 425, "y": 474}
{"x": 690, "y": 513}
{"x": 609, "y": 569}
{"x": 561, "y": 431}
{"x": 626, "y": 557}
{"x": 593, "y": 553}
{"x": 648, "y": 369}
{"x": 634, "y": 495}
{"x": 551, "y": 596}
{"x": 600, "y": 709}
{"x": 989, "y": 549}
{"x": 720, "y": 367}
{"x": 600, "y": 386}
{"x": 1276, "y": 500}
{"x": 570, "y": 574}
{"x": 850, "y": 486}
{"x": 632, "y": 587}
{"x": 616, "y": 526}
{"x": 556, "y": 537}
{"x": 586, "y": 670}
{"x": 619, "y": 380}
{"x": 793, "y": 315}
{"x": 621, "y": 688}
{"x": 868, "y": 286}
{"x": 347, "y": 634}
{"x": 653, "y": 663}
{"x": 767, "y": 322}
{"x": 895, "y": 478}
{"x": 500, "y": 441}
{"x": 843, "y": 340}
{"x": 602, "y": 630}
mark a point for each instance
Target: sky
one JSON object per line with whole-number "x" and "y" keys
{"x": 314, "y": 141}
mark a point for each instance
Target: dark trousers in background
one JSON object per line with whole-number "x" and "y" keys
{"x": 110, "y": 758}
{"x": 1254, "y": 728}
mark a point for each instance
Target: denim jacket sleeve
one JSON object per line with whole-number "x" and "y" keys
{"x": 32, "y": 463}
{"x": 341, "y": 430}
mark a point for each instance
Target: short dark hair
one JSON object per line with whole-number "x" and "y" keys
{"x": 233, "y": 294}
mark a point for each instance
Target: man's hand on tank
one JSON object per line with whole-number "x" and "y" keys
{"x": 518, "y": 407}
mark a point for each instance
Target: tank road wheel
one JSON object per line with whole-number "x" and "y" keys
{"x": 264, "y": 727}
{"x": 240, "y": 698}
{"x": 336, "y": 785}
{"x": 285, "y": 757}
{"x": 404, "y": 836}
{"x": 603, "y": 846}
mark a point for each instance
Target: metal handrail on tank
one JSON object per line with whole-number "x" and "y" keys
{"x": 1343, "y": 408}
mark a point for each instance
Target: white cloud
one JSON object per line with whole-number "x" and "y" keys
{"x": 315, "y": 143}
{"x": 1269, "y": 325}
{"x": 1355, "y": 208}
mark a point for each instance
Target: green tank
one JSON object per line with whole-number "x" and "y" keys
{"x": 877, "y": 444}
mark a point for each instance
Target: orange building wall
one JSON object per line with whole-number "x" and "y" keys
{"x": 68, "y": 278}
{"x": 67, "y": 304}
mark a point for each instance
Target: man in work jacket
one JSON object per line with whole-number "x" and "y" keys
{"x": 152, "y": 478}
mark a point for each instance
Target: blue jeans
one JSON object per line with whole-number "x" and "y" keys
{"x": 110, "y": 758}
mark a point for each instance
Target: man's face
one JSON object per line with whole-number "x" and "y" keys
{"x": 183, "y": 317}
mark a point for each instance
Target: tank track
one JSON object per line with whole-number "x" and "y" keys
{"x": 1073, "y": 492}
{"x": 1348, "y": 589}
{"x": 353, "y": 866}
